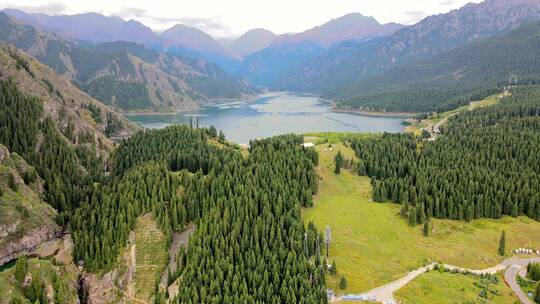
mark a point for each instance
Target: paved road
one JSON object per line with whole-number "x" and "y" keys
{"x": 385, "y": 293}
{"x": 516, "y": 266}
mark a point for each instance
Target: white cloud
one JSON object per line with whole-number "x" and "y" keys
{"x": 223, "y": 18}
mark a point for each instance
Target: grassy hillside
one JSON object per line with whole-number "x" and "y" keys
{"x": 447, "y": 288}
{"x": 372, "y": 245}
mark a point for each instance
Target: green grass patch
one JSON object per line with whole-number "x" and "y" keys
{"x": 372, "y": 245}
{"x": 446, "y": 287}
{"x": 150, "y": 256}
{"x": 335, "y": 137}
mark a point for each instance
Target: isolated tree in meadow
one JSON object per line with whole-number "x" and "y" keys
{"x": 339, "y": 162}
{"x": 343, "y": 283}
{"x": 426, "y": 228}
{"x": 333, "y": 269}
{"x": 502, "y": 243}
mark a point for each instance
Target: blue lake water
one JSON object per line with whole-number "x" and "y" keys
{"x": 273, "y": 114}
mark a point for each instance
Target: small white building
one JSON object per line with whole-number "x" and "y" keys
{"x": 308, "y": 145}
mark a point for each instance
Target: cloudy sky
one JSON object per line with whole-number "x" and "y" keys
{"x": 229, "y": 18}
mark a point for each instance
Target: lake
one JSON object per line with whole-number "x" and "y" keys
{"x": 273, "y": 114}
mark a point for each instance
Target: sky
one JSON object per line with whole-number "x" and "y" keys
{"x": 231, "y": 18}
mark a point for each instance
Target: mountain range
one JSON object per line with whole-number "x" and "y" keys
{"x": 263, "y": 52}
{"x": 126, "y": 75}
{"x": 350, "y": 61}
{"x": 128, "y": 66}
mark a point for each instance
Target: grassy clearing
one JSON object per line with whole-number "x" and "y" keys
{"x": 150, "y": 256}
{"x": 446, "y": 287}
{"x": 372, "y": 245}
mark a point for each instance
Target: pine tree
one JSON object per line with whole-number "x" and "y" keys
{"x": 502, "y": 244}
{"x": 221, "y": 136}
{"x": 333, "y": 269}
{"x": 21, "y": 267}
{"x": 339, "y": 162}
{"x": 426, "y": 228}
{"x": 537, "y": 296}
{"x": 343, "y": 283}
{"x": 412, "y": 217}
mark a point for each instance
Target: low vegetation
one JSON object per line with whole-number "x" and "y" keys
{"x": 150, "y": 256}
{"x": 447, "y": 287}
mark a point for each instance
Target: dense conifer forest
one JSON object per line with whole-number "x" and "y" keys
{"x": 484, "y": 164}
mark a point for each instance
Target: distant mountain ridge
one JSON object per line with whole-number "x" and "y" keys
{"x": 269, "y": 65}
{"x": 125, "y": 75}
{"x": 353, "y": 26}
{"x": 251, "y": 41}
{"x": 90, "y": 27}
{"x": 452, "y": 78}
{"x": 350, "y": 61}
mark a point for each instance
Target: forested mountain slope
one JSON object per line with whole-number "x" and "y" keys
{"x": 452, "y": 78}
{"x": 25, "y": 219}
{"x": 254, "y": 228}
{"x": 127, "y": 76}
{"x": 349, "y": 62}
{"x": 56, "y": 128}
{"x": 480, "y": 166}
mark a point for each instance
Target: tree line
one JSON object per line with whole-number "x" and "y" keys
{"x": 480, "y": 166}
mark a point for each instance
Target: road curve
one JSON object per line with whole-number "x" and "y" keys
{"x": 385, "y": 293}
{"x": 514, "y": 267}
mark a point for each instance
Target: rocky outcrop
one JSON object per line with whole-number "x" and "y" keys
{"x": 28, "y": 242}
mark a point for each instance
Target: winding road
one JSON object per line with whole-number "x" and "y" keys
{"x": 513, "y": 266}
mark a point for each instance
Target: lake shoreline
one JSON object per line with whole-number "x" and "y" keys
{"x": 376, "y": 114}
{"x": 213, "y": 103}
{"x": 272, "y": 114}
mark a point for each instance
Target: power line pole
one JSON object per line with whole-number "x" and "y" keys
{"x": 305, "y": 245}
{"x": 327, "y": 239}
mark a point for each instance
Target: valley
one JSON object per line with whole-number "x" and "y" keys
{"x": 189, "y": 153}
